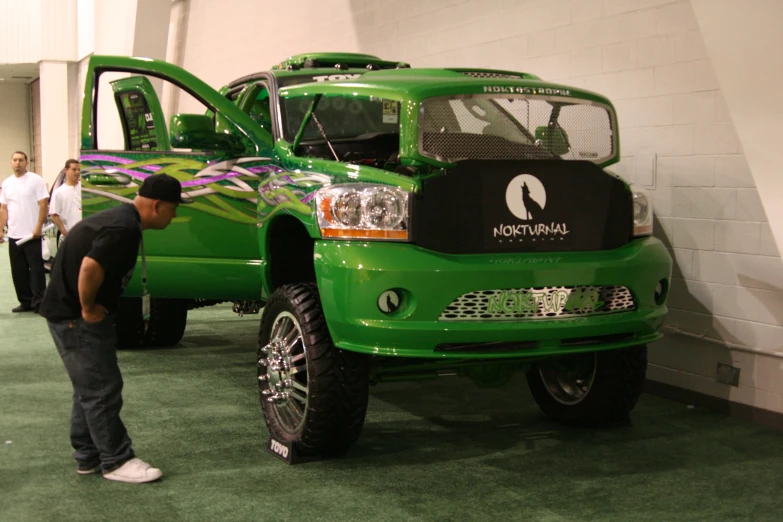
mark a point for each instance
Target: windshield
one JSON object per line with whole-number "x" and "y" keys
{"x": 342, "y": 116}
{"x": 353, "y": 128}
{"x": 453, "y": 128}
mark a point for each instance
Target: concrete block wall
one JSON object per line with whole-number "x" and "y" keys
{"x": 677, "y": 138}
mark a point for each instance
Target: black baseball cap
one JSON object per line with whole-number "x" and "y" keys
{"x": 164, "y": 188}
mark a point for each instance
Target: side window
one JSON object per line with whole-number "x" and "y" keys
{"x": 254, "y": 101}
{"x": 260, "y": 111}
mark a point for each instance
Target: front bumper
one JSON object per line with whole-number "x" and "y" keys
{"x": 353, "y": 275}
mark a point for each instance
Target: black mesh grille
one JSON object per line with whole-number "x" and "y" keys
{"x": 514, "y": 127}
{"x": 447, "y": 146}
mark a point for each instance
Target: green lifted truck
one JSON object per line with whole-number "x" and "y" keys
{"x": 394, "y": 223}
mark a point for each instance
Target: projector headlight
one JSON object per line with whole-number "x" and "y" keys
{"x": 363, "y": 211}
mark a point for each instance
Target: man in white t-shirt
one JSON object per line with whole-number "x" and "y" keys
{"x": 23, "y": 205}
{"x": 65, "y": 208}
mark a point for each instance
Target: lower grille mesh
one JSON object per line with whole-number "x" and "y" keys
{"x": 537, "y": 303}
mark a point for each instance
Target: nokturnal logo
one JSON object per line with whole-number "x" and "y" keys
{"x": 526, "y": 197}
{"x": 526, "y": 200}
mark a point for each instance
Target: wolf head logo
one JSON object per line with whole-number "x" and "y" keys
{"x": 526, "y": 197}
{"x": 532, "y": 208}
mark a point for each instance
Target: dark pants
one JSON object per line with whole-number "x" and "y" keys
{"x": 89, "y": 352}
{"x": 27, "y": 270}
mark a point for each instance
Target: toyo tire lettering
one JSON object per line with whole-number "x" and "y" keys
{"x": 278, "y": 448}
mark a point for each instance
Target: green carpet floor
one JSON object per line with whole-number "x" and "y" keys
{"x": 440, "y": 450}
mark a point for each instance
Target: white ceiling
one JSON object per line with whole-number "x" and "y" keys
{"x": 18, "y": 72}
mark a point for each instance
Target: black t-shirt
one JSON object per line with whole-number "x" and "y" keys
{"x": 112, "y": 239}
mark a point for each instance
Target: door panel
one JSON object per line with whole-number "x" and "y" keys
{"x": 211, "y": 249}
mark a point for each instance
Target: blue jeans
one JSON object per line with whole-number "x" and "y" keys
{"x": 89, "y": 352}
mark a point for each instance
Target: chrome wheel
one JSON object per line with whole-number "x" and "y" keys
{"x": 282, "y": 372}
{"x": 570, "y": 379}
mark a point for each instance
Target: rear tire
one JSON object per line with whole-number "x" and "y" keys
{"x": 312, "y": 393}
{"x": 168, "y": 318}
{"x": 590, "y": 388}
{"x": 128, "y": 323}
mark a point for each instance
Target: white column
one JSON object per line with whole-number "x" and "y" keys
{"x": 20, "y": 31}
{"x": 115, "y": 22}
{"x": 54, "y": 118}
{"x": 85, "y": 40}
{"x": 152, "y": 32}
{"x": 59, "y": 27}
{"x": 744, "y": 41}
{"x": 152, "y": 28}
{"x": 15, "y": 131}
{"x": 175, "y": 53}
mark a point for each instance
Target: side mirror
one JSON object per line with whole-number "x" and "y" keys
{"x": 553, "y": 138}
{"x": 197, "y": 131}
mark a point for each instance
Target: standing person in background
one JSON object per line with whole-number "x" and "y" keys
{"x": 23, "y": 205}
{"x": 66, "y": 205}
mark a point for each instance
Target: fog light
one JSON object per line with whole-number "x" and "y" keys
{"x": 389, "y": 302}
{"x": 661, "y": 289}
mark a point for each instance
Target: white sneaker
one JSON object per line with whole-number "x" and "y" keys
{"x": 135, "y": 471}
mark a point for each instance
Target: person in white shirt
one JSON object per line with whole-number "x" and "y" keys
{"x": 23, "y": 205}
{"x": 65, "y": 208}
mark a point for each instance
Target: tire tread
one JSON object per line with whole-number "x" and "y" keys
{"x": 338, "y": 380}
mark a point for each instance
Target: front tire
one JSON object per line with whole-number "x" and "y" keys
{"x": 590, "y": 388}
{"x": 312, "y": 393}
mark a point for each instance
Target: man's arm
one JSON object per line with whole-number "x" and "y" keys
{"x": 54, "y": 211}
{"x": 59, "y": 223}
{"x": 43, "y": 209}
{"x": 3, "y": 219}
{"x": 91, "y": 276}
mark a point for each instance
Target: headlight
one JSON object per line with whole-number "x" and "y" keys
{"x": 642, "y": 213}
{"x": 363, "y": 211}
